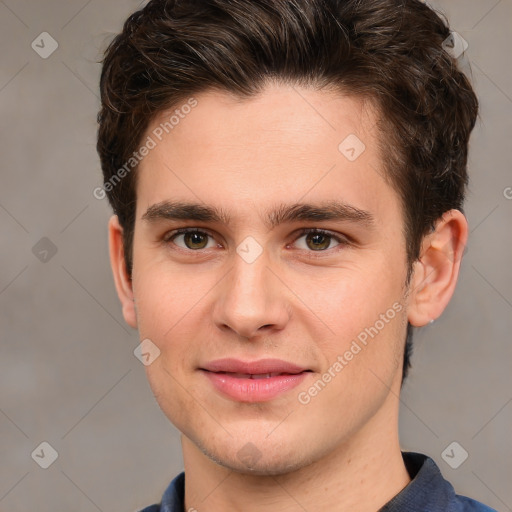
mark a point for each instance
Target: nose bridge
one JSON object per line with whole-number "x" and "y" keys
{"x": 249, "y": 287}
{"x": 249, "y": 298}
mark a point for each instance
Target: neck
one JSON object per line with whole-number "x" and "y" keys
{"x": 362, "y": 474}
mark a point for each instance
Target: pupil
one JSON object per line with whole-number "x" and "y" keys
{"x": 317, "y": 239}
{"x": 194, "y": 239}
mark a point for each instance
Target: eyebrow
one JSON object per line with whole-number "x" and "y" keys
{"x": 284, "y": 213}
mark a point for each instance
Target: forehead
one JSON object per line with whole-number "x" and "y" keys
{"x": 286, "y": 143}
{"x": 278, "y": 114}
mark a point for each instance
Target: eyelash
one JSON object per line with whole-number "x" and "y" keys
{"x": 342, "y": 241}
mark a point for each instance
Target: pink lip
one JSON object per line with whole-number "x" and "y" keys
{"x": 234, "y": 378}
{"x": 255, "y": 367}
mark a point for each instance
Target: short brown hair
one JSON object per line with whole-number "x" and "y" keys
{"x": 387, "y": 51}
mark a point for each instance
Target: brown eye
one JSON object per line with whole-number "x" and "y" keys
{"x": 318, "y": 241}
{"x": 191, "y": 239}
{"x": 195, "y": 240}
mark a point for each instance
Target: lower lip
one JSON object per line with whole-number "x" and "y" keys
{"x": 254, "y": 390}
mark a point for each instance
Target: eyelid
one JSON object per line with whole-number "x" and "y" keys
{"x": 179, "y": 231}
{"x": 170, "y": 235}
{"x": 343, "y": 240}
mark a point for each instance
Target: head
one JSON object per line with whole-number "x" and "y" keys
{"x": 252, "y": 119}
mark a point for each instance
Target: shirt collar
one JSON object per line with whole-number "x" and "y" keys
{"x": 427, "y": 490}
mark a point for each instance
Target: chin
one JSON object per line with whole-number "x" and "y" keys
{"x": 271, "y": 460}
{"x": 263, "y": 467}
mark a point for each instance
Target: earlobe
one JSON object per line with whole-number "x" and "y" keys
{"x": 436, "y": 272}
{"x": 121, "y": 279}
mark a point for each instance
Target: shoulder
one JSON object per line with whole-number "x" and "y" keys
{"x": 466, "y": 504}
{"x": 429, "y": 490}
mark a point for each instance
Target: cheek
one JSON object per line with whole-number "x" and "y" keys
{"x": 164, "y": 298}
{"x": 171, "y": 306}
{"x": 365, "y": 312}
{"x": 354, "y": 298}
{"x": 361, "y": 363}
{"x": 168, "y": 386}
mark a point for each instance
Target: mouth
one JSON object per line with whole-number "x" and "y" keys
{"x": 256, "y": 375}
{"x": 256, "y": 381}
{"x": 258, "y": 367}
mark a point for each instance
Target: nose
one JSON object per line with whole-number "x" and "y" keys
{"x": 251, "y": 300}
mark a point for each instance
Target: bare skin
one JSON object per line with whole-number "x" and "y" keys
{"x": 303, "y": 299}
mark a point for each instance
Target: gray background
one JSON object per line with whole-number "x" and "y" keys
{"x": 68, "y": 375}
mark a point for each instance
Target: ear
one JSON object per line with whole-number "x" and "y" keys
{"x": 436, "y": 271}
{"x": 122, "y": 280}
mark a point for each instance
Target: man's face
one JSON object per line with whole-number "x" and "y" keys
{"x": 254, "y": 286}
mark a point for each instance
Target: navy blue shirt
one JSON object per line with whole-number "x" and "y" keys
{"x": 427, "y": 491}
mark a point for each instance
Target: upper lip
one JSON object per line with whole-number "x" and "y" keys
{"x": 260, "y": 366}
